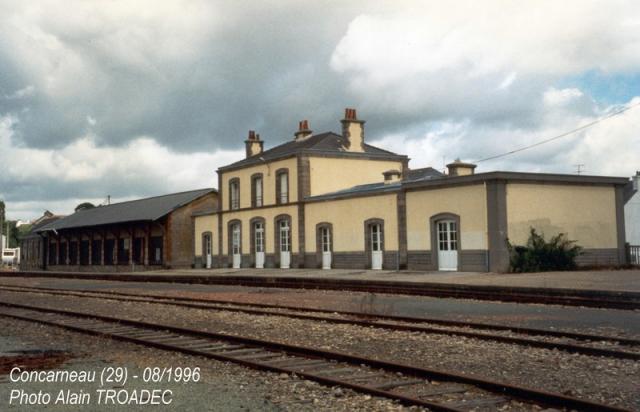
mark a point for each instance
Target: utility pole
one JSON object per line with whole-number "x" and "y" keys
{"x": 579, "y": 168}
{"x": 2, "y": 245}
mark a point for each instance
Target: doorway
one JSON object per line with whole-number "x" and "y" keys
{"x": 258, "y": 230}
{"x": 447, "y": 238}
{"x": 285, "y": 244}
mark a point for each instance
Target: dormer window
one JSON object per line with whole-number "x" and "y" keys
{"x": 282, "y": 186}
{"x": 234, "y": 194}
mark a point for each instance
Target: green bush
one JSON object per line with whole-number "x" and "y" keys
{"x": 538, "y": 255}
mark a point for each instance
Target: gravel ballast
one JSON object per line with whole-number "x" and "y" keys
{"x": 605, "y": 380}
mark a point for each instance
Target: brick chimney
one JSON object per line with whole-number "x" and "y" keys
{"x": 353, "y": 131}
{"x": 253, "y": 144}
{"x": 303, "y": 131}
{"x": 460, "y": 168}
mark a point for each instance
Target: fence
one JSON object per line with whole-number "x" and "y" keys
{"x": 634, "y": 254}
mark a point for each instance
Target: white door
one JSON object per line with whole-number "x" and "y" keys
{"x": 447, "y": 245}
{"x": 207, "y": 251}
{"x": 325, "y": 244}
{"x": 285, "y": 244}
{"x": 376, "y": 247}
{"x": 259, "y": 244}
{"x": 235, "y": 246}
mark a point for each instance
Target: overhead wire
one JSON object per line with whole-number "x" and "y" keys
{"x": 577, "y": 129}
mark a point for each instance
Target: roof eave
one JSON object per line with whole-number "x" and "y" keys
{"x": 519, "y": 177}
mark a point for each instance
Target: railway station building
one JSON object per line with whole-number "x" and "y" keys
{"x": 331, "y": 200}
{"x": 151, "y": 233}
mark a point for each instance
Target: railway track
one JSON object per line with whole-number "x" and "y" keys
{"x": 433, "y": 389}
{"x": 570, "y": 297}
{"x": 592, "y": 345}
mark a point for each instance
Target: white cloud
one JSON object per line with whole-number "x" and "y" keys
{"x": 561, "y": 97}
{"x": 446, "y": 59}
{"x": 607, "y": 148}
{"x": 143, "y": 164}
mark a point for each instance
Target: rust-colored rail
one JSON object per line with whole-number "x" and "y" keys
{"x": 555, "y": 296}
{"x": 415, "y": 386}
{"x": 409, "y": 324}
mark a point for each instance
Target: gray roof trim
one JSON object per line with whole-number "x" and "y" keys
{"x": 139, "y": 210}
{"x": 518, "y": 177}
{"x": 435, "y": 181}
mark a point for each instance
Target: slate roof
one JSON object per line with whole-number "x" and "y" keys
{"x": 415, "y": 175}
{"x": 422, "y": 174}
{"x": 323, "y": 143}
{"x": 42, "y": 222}
{"x": 358, "y": 190}
{"x": 149, "y": 209}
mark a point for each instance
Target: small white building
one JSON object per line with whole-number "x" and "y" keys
{"x": 632, "y": 212}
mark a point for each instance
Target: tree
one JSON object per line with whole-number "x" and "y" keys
{"x": 85, "y": 206}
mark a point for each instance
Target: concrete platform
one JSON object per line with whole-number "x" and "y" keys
{"x": 610, "y": 280}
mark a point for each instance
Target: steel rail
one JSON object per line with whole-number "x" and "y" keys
{"x": 567, "y": 347}
{"x": 296, "y": 352}
{"x": 571, "y": 297}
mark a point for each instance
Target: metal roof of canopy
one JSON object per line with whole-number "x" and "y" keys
{"x": 149, "y": 210}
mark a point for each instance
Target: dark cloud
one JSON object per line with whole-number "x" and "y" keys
{"x": 195, "y": 75}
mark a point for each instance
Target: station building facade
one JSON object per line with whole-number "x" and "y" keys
{"x": 333, "y": 201}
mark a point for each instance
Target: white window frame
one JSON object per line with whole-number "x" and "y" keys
{"x": 285, "y": 236}
{"x": 284, "y": 187}
{"x": 234, "y": 193}
{"x": 325, "y": 239}
{"x": 258, "y": 229}
{"x": 235, "y": 239}
{"x": 376, "y": 237}
{"x": 258, "y": 191}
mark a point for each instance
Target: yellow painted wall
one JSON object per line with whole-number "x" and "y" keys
{"x": 586, "y": 213}
{"x": 268, "y": 185}
{"x": 468, "y": 202}
{"x": 347, "y": 217}
{"x": 269, "y": 215}
{"x": 329, "y": 175}
{"x": 208, "y": 223}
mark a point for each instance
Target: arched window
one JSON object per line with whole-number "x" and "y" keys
{"x": 283, "y": 232}
{"x": 234, "y": 193}
{"x": 282, "y": 186}
{"x": 324, "y": 244}
{"x": 258, "y": 242}
{"x": 234, "y": 234}
{"x": 257, "y": 190}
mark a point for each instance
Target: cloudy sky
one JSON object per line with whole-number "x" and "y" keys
{"x": 141, "y": 98}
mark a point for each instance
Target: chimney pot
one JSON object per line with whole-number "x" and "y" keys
{"x": 353, "y": 131}
{"x": 350, "y": 114}
{"x": 303, "y": 131}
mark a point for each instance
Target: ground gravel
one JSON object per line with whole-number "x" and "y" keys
{"x": 224, "y": 386}
{"x": 604, "y": 380}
